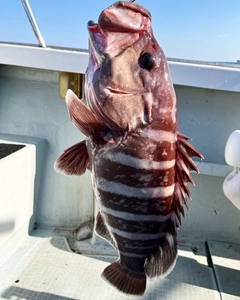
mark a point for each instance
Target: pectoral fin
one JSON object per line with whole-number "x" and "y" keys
{"x": 82, "y": 117}
{"x": 74, "y": 160}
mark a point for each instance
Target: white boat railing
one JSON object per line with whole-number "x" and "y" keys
{"x": 33, "y": 23}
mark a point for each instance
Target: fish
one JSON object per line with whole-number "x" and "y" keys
{"x": 140, "y": 164}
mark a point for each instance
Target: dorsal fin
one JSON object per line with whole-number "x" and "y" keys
{"x": 184, "y": 164}
{"x": 190, "y": 150}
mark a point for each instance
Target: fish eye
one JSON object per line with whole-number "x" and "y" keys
{"x": 146, "y": 61}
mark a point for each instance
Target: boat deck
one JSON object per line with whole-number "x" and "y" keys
{"x": 45, "y": 267}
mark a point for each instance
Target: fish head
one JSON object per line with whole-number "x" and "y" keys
{"x": 127, "y": 80}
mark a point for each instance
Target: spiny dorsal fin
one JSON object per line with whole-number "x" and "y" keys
{"x": 184, "y": 164}
{"x": 187, "y": 160}
{"x": 190, "y": 150}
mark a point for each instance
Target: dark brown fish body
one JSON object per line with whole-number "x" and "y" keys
{"x": 135, "y": 192}
{"x": 139, "y": 162}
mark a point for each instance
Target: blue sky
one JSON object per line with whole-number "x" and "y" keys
{"x": 188, "y": 29}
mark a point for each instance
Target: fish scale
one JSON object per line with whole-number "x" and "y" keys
{"x": 139, "y": 162}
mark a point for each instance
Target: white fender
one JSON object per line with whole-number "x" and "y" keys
{"x": 231, "y": 185}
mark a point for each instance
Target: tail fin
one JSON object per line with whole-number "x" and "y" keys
{"x": 124, "y": 280}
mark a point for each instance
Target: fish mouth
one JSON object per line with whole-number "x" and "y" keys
{"x": 125, "y": 16}
{"x": 118, "y": 27}
{"x": 110, "y": 90}
{"x": 117, "y": 91}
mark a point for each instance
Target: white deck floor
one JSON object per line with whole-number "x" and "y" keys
{"x": 46, "y": 268}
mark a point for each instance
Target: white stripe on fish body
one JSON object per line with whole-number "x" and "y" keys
{"x": 160, "y": 136}
{"x": 134, "y": 217}
{"x": 139, "y": 163}
{"x": 129, "y": 191}
{"x": 137, "y": 236}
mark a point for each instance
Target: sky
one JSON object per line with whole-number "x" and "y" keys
{"x": 207, "y": 30}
